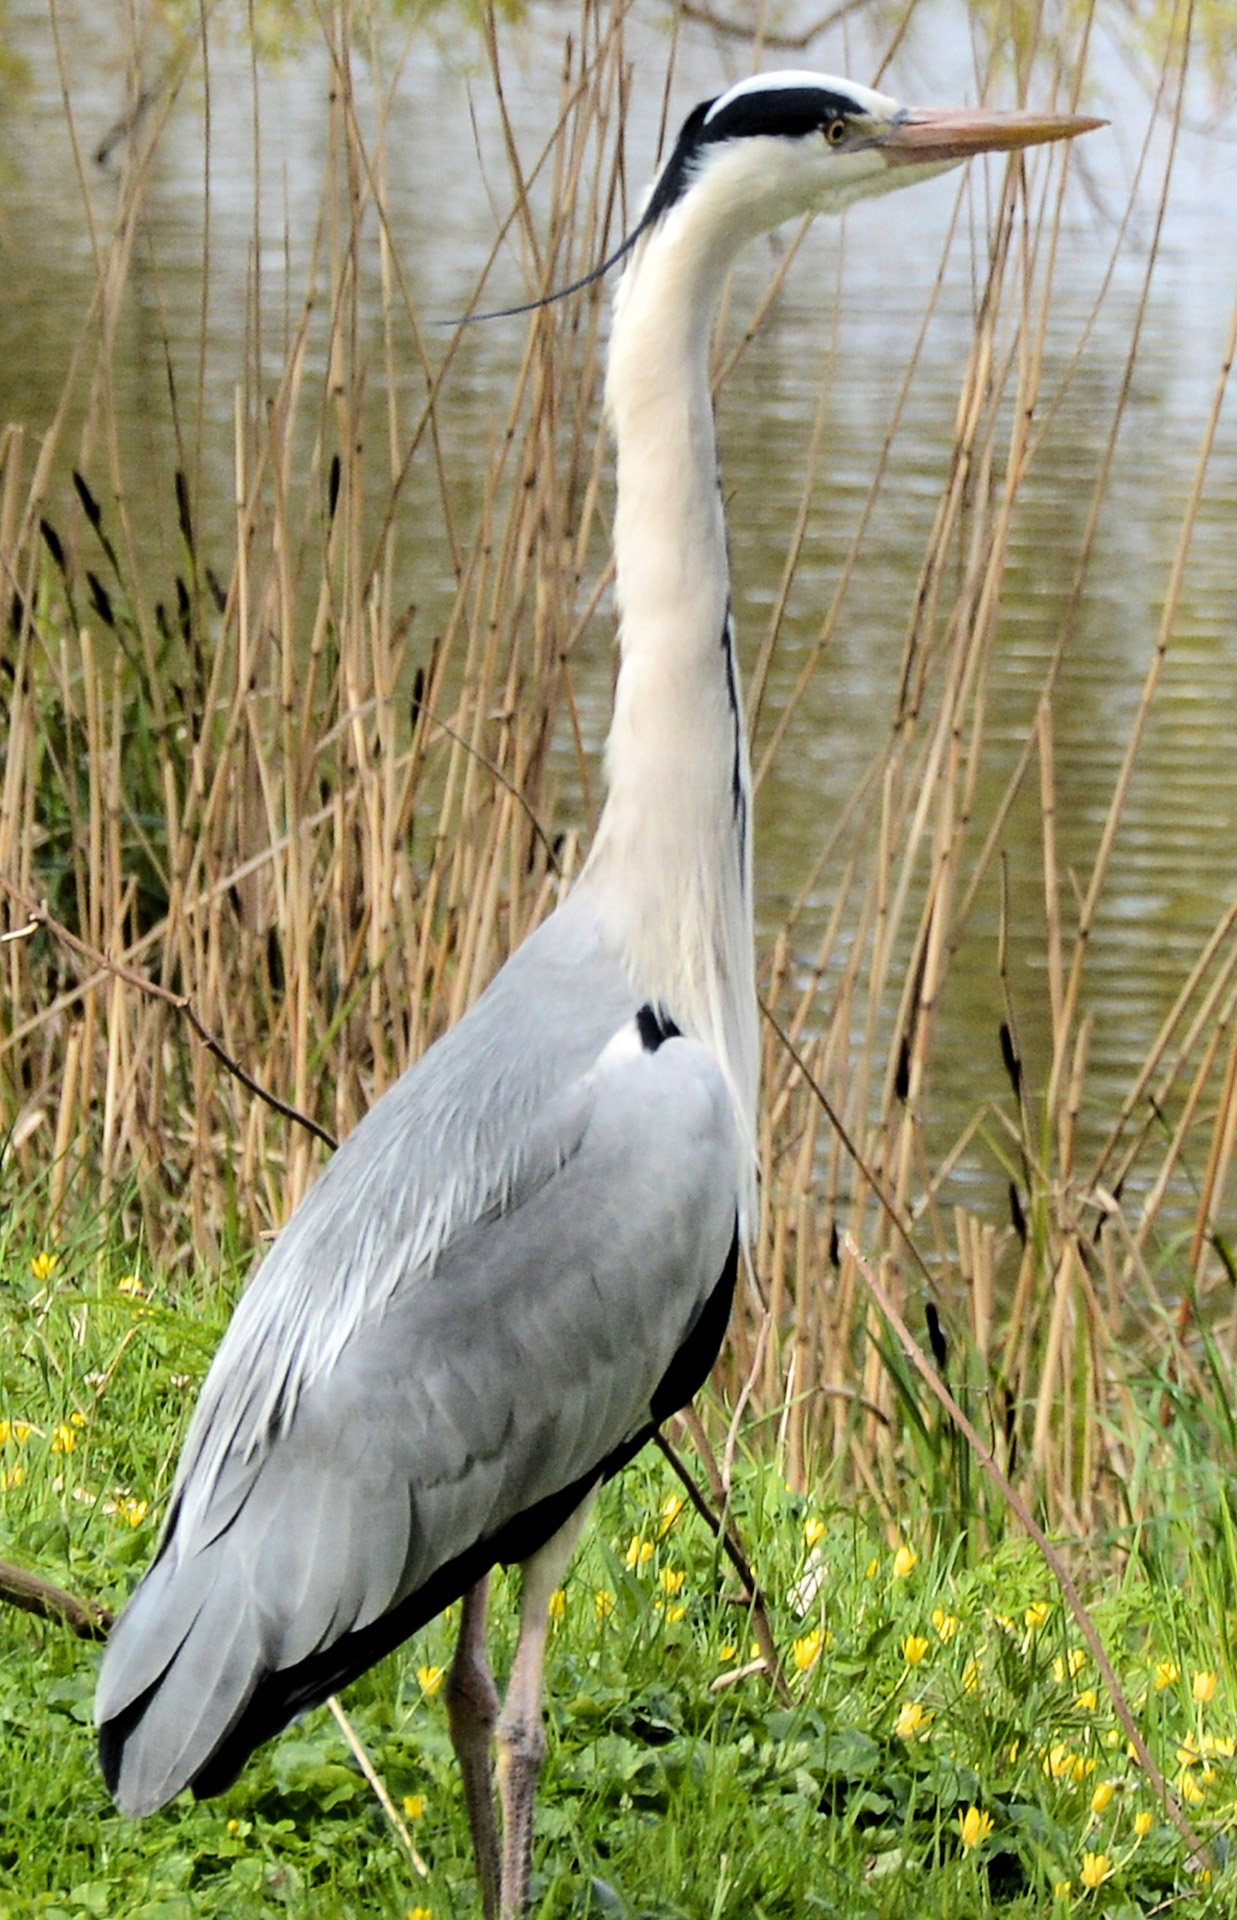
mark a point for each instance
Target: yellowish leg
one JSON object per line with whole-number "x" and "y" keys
{"x": 472, "y": 1710}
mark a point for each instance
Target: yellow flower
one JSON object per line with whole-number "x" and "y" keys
{"x": 1143, "y": 1823}
{"x": 1096, "y": 1868}
{"x": 672, "y": 1507}
{"x": 1069, "y": 1665}
{"x": 63, "y": 1440}
{"x": 11, "y": 1477}
{"x": 1036, "y": 1615}
{"x": 1166, "y": 1674}
{"x": 675, "y": 1613}
{"x": 1088, "y": 1700}
{"x": 1220, "y": 1743}
{"x": 913, "y": 1719}
{"x": 1102, "y": 1795}
{"x": 1058, "y": 1761}
{"x": 872, "y": 1568}
{"x": 1190, "y": 1789}
{"x": 44, "y": 1265}
{"x": 1203, "y": 1688}
{"x": 1015, "y": 1748}
{"x": 1061, "y": 1889}
{"x": 753, "y": 1652}
{"x": 946, "y": 1624}
{"x": 420, "y": 1913}
{"x": 975, "y": 1826}
{"x": 639, "y": 1552}
{"x": 234, "y": 1826}
{"x": 913, "y": 1649}
{"x": 134, "y": 1511}
{"x": 22, "y": 1431}
{"x": 414, "y": 1806}
{"x": 905, "y": 1560}
{"x": 729, "y": 1651}
{"x": 131, "y": 1285}
{"x": 77, "y": 1419}
{"x": 558, "y": 1604}
{"x": 807, "y": 1650}
{"x": 971, "y": 1677}
{"x": 1081, "y": 1768}
{"x": 5, "y": 1430}
{"x": 603, "y": 1600}
{"x": 813, "y": 1531}
{"x": 671, "y": 1580}
{"x": 431, "y": 1679}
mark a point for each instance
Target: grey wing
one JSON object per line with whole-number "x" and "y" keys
{"x": 477, "y": 1397}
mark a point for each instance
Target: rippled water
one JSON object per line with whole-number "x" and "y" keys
{"x": 1176, "y": 860}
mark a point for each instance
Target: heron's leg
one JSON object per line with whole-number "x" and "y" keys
{"x": 521, "y": 1731}
{"x": 472, "y": 1710}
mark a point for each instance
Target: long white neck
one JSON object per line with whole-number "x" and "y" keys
{"x": 672, "y": 861}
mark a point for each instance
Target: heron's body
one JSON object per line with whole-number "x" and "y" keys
{"x": 524, "y": 1256}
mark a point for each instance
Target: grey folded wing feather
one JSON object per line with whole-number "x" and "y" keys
{"x": 502, "y": 1370}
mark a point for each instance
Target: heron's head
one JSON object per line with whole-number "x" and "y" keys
{"x": 782, "y": 145}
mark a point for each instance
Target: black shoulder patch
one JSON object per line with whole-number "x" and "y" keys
{"x": 655, "y": 1027}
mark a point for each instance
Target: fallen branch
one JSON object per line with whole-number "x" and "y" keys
{"x": 33, "y": 1594}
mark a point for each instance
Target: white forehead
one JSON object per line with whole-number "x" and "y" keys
{"x": 865, "y": 98}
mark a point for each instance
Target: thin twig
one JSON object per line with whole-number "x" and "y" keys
{"x": 375, "y": 1780}
{"x": 752, "y": 1595}
{"x": 39, "y": 916}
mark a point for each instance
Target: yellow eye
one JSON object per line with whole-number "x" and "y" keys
{"x": 835, "y": 132}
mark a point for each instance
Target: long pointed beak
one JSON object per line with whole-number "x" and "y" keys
{"x": 923, "y": 135}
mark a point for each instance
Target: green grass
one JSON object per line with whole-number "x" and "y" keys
{"x": 663, "y": 1795}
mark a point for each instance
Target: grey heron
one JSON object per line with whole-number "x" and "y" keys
{"x": 523, "y": 1258}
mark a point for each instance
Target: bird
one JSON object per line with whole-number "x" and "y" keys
{"x": 523, "y": 1259}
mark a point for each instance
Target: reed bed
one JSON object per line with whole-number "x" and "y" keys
{"x": 266, "y": 811}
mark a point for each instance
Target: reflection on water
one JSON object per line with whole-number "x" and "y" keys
{"x": 849, "y": 316}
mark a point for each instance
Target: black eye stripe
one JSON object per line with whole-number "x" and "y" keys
{"x": 787, "y": 111}
{"x": 790, "y": 113}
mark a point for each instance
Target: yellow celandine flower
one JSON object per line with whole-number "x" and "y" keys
{"x": 1166, "y": 1674}
{"x": 671, "y": 1579}
{"x": 913, "y": 1719}
{"x": 234, "y": 1826}
{"x": 63, "y": 1440}
{"x": 131, "y": 1285}
{"x": 676, "y": 1613}
{"x": 420, "y": 1913}
{"x": 807, "y": 1649}
{"x": 11, "y": 1477}
{"x": 558, "y": 1604}
{"x": 1096, "y": 1868}
{"x": 1081, "y": 1768}
{"x": 414, "y": 1806}
{"x": 77, "y": 1419}
{"x": 1102, "y": 1795}
{"x": 1222, "y": 1744}
{"x": 44, "y": 1265}
{"x": 946, "y": 1624}
{"x": 971, "y": 1677}
{"x": 1203, "y": 1687}
{"x": 639, "y": 1552}
{"x": 1088, "y": 1700}
{"x": 813, "y": 1531}
{"x": 914, "y": 1647}
{"x": 975, "y": 1826}
{"x": 905, "y": 1560}
{"x": 1036, "y": 1615}
{"x": 1068, "y": 1666}
{"x": 753, "y": 1652}
{"x": 1143, "y": 1823}
{"x": 672, "y": 1507}
{"x": 1187, "y": 1753}
{"x": 729, "y": 1651}
{"x": 1190, "y": 1789}
{"x": 1062, "y": 1889}
{"x": 5, "y": 1430}
{"x": 872, "y": 1568}
{"x": 134, "y": 1511}
{"x": 603, "y": 1600}
{"x": 431, "y": 1679}
{"x": 1014, "y": 1750}
{"x": 1058, "y": 1761}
